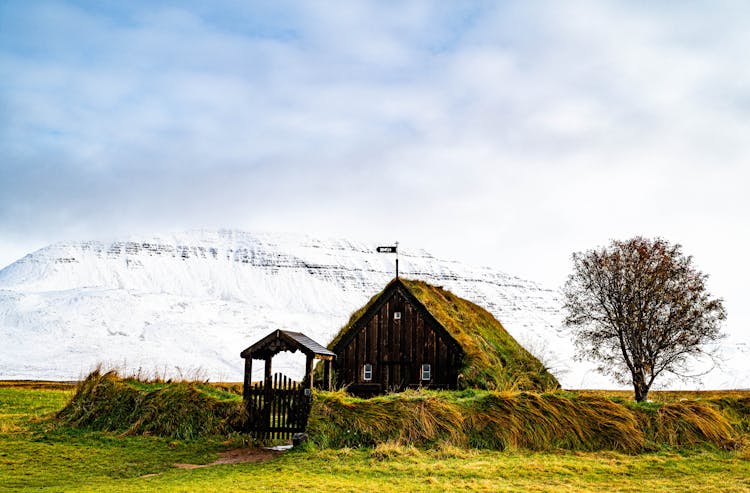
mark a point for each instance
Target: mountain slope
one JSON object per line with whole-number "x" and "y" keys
{"x": 188, "y": 303}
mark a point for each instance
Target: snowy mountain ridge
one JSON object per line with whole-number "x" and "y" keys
{"x": 188, "y": 302}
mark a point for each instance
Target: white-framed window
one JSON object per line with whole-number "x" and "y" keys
{"x": 367, "y": 372}
{"x": 396, "y": 315}
{"x": 426, "y": 372}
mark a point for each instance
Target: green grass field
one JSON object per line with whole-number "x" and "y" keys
{"x": 38, "y": 454}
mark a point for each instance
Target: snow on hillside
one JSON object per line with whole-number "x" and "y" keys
{"x": 188, "y": 303}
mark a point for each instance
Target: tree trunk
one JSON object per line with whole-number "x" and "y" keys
{"x": 640, "y": 387}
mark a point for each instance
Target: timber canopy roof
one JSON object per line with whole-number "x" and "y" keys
{"x": 493, "y": 358}
{"x": 285, "y": 340}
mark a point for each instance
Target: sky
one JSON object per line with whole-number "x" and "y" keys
{"x": 504, "y": 134}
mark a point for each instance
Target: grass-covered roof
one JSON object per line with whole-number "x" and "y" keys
{"x": 493, "y": 358}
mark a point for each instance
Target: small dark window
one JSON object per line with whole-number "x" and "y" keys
{"x": 367, "y": 372}
{"x": 396, "y": 315}
{"x": 426, "y": 373}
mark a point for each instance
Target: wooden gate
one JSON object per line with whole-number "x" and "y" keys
{"x": 279, "y": 410}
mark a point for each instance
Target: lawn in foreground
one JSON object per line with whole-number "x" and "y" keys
{"x": 366, "y": 470}
{"x": 37, "y": 456}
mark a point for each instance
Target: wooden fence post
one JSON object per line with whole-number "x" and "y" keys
{"x": 309, "y": 371}
{"x": 248, "y": 380}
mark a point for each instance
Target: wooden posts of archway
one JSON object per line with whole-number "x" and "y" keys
{"x": 279, "y": 407}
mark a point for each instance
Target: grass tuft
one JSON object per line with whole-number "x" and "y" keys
{"x": 183, "y": 410}
{"x": 412, "y": 417}
{"x": 519, "y": 420}
{"x": 392, "y": 450}
{"x": 692, "y": 423}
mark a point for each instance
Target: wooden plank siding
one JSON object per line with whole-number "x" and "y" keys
{"x": 396, "y": 349}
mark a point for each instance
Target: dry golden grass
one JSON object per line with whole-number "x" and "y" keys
{"x": 494, "y": 360}
{"x": 586, "y": 421}
{"x": 547, "y": 421}
{"x": 523, "y": 420}
{"x": 37, "y": 384}
{"x": 692, "y": 423}
{"x": 7, "y": 426}
{"x": 668, "y": 395}
{"x": 105, "y": 401}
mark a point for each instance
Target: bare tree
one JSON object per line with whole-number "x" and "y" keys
{"x": 640, "y": 309}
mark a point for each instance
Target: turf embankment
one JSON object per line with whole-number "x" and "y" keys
{"x": 509, "y": 421}
{"x": 468, "y": 418}
{"x": 183, "y": 410}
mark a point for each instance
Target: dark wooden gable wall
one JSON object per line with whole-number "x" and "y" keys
{"x": 395, "y": 348}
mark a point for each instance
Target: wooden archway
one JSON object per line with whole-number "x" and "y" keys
{"x": 284, "y": 340}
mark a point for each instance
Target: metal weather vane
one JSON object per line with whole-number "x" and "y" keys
{"x": 390, "y": 249}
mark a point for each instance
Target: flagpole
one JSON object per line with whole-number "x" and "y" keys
{"x": 396, "y": 260}
{"x": 390, "y": 249}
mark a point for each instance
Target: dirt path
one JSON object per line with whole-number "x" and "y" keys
{"x": 236, "y": 456}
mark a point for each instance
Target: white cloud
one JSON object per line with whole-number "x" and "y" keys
{"x": 509, "y": 134}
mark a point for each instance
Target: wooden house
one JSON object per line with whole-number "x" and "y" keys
{"x": 413, "y": 334}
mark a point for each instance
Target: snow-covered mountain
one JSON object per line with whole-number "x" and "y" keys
{"x": 188, "y": 303}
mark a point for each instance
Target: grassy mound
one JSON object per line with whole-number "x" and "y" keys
{"x": 737, "y": 411}
{"x": 338, "y": 420}
{"x": 465, "y": 419}
{"x": 545, "y": 421}
{"x": 494, "y": 359}
{"x": 688, "y": 423}
{"x": 505, "y": 420}
{"x": 184, "y": 410}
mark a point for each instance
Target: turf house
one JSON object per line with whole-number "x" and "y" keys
{"x": 413, "y": 334}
